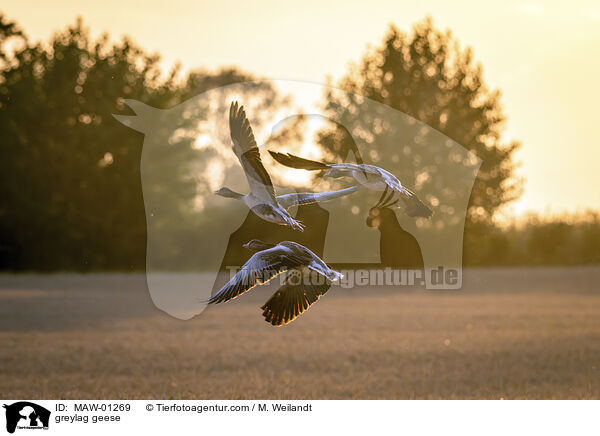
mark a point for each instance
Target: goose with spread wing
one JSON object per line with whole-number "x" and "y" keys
{"x": 262, "y": 199}
{"x": 368, "y": 176}
{"x": 296, "y": 295}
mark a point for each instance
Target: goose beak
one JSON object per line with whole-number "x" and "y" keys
{"x": 246, "y": 245}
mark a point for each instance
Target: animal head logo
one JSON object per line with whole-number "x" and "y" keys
{"x": 26, "y": 415}
{"x": 190, "y": 152}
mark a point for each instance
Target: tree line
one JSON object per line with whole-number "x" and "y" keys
{"x": 70, "y": 189}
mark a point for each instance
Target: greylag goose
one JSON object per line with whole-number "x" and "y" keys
{"x": 368, "y": 176}
{"x": 262, "y": 199}
{"x": 270, "y": 260}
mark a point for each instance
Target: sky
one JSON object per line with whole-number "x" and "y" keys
{"x": 542, "y": 55}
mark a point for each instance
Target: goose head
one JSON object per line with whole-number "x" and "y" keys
{"x": 228, "y": 193}
{"x": 257, "y": 245}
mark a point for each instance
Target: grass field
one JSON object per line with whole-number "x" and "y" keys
{"x": 510, "y": 333}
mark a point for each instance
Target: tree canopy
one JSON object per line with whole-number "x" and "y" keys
{"x": 70, "y": 181}
{"x": 70, "y": 187}
{"x": 428, "y": 76}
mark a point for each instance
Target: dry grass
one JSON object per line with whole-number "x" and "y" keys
{"x": 518, "y": 333}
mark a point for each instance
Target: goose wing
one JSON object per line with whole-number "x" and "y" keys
{"x": 260, "y": 268}
{"x": 414, "y": 207}
{"x": 245, "y": 148}
{"x": 291, "y": 300}
{"x": 393, "y": 182}
{"x": 302, "y": 198}
{"x": 289, "y": 160}
{"x": 364, "y": 168}
{"x": 292, "y": 161}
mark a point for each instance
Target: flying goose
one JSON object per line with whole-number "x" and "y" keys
{"x": 368, "y": 176}
{"x": 270, "y": 260}
{"x": 262, "y": 199}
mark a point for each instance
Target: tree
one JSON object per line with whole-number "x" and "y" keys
{"x": 429, "y": 77}
{"x": 70, "y": 192}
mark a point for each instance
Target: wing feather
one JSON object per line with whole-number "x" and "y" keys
{"x": 289, "y": 160}
{"x": 291, "y": 300}
{"x": 414, "y": 207}
{"x": 260, "y": 268}
{"x": 303, "y": 198}
{"x": 245, "y": 148}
